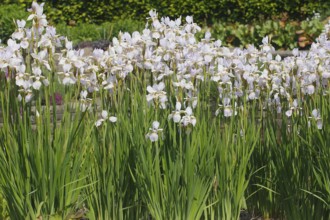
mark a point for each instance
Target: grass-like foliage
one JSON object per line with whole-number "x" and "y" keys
{"x": 161, "y": 126}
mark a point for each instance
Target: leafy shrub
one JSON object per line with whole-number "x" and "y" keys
{"x": 284, "y": 34}
{"x": 310, "y": 29}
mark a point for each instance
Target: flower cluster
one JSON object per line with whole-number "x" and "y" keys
{"x": 187, "y": 117}
{"x": 167, "y": 50}
{"x": 29, "y": 52}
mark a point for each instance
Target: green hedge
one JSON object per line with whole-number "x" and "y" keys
{"x": 282, "y": 32}
{"x": 204, "y": 11}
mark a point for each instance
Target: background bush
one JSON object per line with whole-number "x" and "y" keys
{"x": 235, "y": 22}
{"x": 284, "y": 35}
{"x": 243, "y": 11}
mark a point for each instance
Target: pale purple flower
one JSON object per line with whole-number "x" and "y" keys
{"x": 105, "y": 117}
{"x": 188, "y": 118}
{"x": 153, "y": 133}
{"x": 189, "y": 19}
{"x": 157, "y": 95}
{"x": 176, "y": 115}
{"x": 316, "y": 116}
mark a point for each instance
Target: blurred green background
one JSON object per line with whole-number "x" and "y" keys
{"x": 290, "y": 23}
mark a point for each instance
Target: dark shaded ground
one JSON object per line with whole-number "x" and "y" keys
{"x": 101, "y": 44}
{"x": 245, "y": 215}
